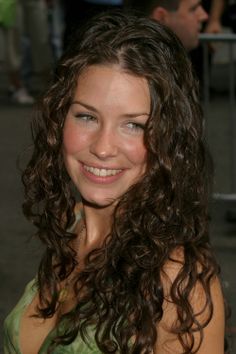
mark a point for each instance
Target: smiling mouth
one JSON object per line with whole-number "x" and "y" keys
{"x": 101, "y": 172}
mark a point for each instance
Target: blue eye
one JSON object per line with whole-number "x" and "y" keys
{"x": 135, "y": 126}
{"x": 85, "y": 117}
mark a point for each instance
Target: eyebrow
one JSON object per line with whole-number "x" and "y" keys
{"x": 91, "y": 108}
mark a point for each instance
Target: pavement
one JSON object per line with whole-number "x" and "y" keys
{"x": 20, "y": 252}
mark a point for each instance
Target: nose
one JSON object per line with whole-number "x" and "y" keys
{"x": 203, "y": 15}
{"x": 104, "y": 144}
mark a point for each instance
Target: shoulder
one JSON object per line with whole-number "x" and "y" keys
{"x": 12, "y": 322}
{"x": 192, "y": 306}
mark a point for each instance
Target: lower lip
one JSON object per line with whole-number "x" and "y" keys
{"x": 101, "y": 179}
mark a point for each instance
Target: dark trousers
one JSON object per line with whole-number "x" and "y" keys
{"x": 77, "y": 12}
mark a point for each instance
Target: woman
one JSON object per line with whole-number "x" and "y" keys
{"x": 130, "y": 269}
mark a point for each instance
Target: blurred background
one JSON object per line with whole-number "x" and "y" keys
{"x": 30, "y": 43}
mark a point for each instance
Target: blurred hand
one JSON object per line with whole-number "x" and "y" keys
{"x": 213, "y": 27}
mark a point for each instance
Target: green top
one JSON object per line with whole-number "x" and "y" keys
{"x": 12, "y": 327}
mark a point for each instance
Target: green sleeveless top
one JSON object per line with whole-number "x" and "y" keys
{"x": 12, "y": 327}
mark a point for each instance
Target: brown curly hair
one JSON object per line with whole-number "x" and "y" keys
{"x": 120, "y": 291}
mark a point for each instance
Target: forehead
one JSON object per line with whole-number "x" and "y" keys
{"x": 109, "y": 85}
{"x": 189, "y": 4}
{"x": 110, "y": 74}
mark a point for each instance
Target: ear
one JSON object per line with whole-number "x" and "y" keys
{"x": 159, "y": 14}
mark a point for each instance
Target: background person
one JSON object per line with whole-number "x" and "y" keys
{"x": 215, "y": 8}
{"x": 10, "y": 24}
{"x": 76, "y": 13}
{"x": 130, "y": 268}
{"x": 35, "y": 27}
{"x": 30, "y": 20}
{"x": 184, "y": 17}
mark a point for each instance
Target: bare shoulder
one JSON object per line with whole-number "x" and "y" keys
{"x": 195, "y": 304}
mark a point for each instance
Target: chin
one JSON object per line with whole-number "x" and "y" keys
{"x": 99, "y": 202}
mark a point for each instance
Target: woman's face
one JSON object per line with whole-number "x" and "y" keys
{"x": 103, "y": 146}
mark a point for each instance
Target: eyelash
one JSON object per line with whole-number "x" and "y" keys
{"x": 85, "y": 117}
{"x": 136, "y": 126}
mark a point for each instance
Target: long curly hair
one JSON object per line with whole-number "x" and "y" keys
{"x": 120, "y": 291}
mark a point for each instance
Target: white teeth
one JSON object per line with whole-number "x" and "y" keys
{"x": 101, "y": 172}
{"x": 96, "y": 171}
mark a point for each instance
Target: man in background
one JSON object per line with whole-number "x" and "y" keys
{"x": 184, "y": 17}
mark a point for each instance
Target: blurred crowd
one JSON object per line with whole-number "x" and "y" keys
{"x": 34, "y": 33}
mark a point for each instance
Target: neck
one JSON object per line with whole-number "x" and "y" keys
{"x": 98, "y": 224}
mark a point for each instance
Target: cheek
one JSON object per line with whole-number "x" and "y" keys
{"x": 136, "y": 153}
{"x": 73, "y": 140}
